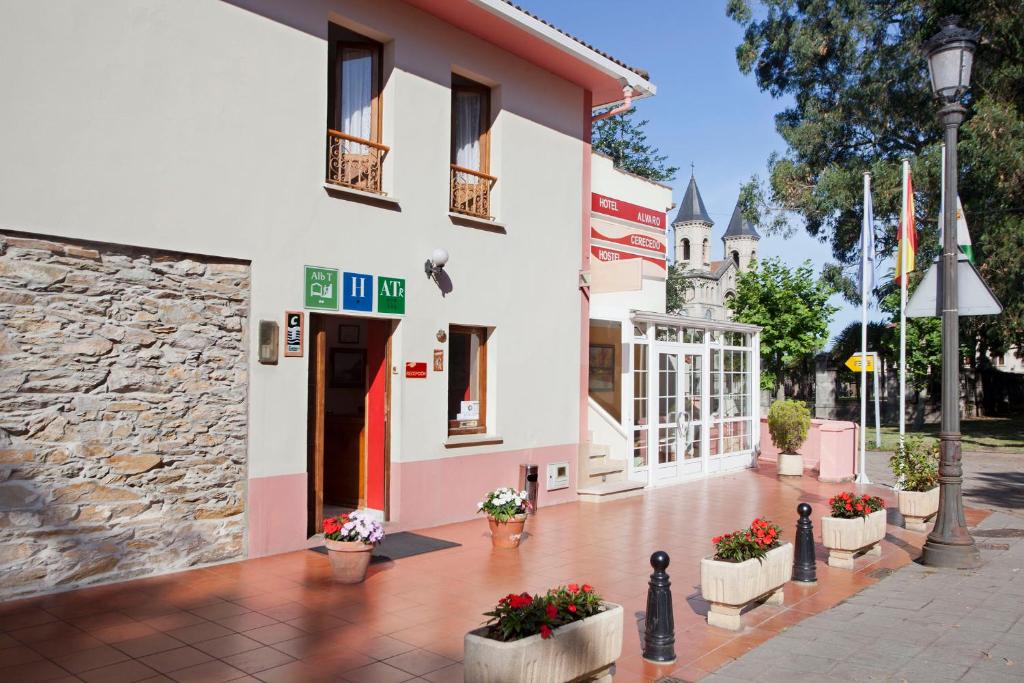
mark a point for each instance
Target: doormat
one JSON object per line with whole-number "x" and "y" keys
{"x": 402, "y": 544}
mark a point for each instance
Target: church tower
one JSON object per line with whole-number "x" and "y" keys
{"x": 740, "y": 240}
{"x": 692, "y": 228}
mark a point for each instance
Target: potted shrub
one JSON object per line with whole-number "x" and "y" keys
{"x": 856, "y": 526}
{"x": 506, "y": 511}
{"x": 916, "y": 468}
{"x": 788, "y": 422}
{"x": 349, "y": 539}
{"x": 568, "y": 634}
{"x": 749, "y": 565}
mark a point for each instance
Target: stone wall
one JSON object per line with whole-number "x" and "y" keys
{"x": 123, "y": 412}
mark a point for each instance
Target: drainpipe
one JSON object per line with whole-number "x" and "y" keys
{"x": 627, "y": 93}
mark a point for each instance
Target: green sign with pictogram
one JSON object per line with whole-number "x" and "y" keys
{"x": 320, "y": 288}
{"x": 391, "y": 295}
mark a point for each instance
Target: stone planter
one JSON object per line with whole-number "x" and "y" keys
{"x": 917, "y": 507}
{"x": 506, "y": 534}
{"x": 730, "y": 586}
{"x": 846, "y": 538}
{"x": 349, "y": 560}
{"x": 581, "y": 651}
{"x": 791, "y": 465}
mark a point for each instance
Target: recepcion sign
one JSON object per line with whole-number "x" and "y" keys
{"x": 416, "y": 370}
{"x": 320, "y": 288}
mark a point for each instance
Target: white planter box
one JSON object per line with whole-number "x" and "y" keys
{"x": 581, "y": 651}
{"x": 846, "y": 538}
{"x": 731, "y": 586}
{"x": 918, "y": 506}
{"x": 791, "y": 464}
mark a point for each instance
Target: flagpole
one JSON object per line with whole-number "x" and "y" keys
{"x": 903, "y": 305}
{"x": 862, "y": 474}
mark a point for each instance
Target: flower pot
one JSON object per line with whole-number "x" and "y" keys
{"x": 791, "y": 464}
{"x": 349, "y": 560}
{"x": 730, "y": 586}
{"x": 917, "y": 507}
{"x": 846, "y": 538}
{"x": 507, "y": 534}
{"x": 581, "y": 651}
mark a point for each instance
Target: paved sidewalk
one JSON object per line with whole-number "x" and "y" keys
{"x": 917, "y": 625}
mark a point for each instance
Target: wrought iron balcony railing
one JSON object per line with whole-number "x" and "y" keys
{"x": 354, "y": 162}
{"x": 471, "y": 192}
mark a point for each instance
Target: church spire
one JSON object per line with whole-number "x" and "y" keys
{"x": 692, "y": 207}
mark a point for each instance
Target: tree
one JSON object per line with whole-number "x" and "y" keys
{"x": 862, "y": 102}
{"x": 792, "y": 309}
{"x": 624, "y": 140}
{"x": 676, "y": 285}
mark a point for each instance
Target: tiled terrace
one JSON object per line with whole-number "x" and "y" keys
{"x": 282, "y": 619}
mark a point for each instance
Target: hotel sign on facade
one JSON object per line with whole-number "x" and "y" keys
{"x": 622, "y": 231}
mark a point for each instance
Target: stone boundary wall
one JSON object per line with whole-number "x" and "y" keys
{"x": 123, "y": 412}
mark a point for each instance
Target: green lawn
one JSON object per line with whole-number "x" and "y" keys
{"x": 995, "y": 435}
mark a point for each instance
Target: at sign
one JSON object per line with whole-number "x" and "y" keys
{"x": 854, "y": 362}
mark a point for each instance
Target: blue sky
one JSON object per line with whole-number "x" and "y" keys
{"x": 706, "y": 111}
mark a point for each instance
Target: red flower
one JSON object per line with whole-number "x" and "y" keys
{"x": 860, "y": 507}
{"x": 545, "y": 631}
{"x": 572, "y": 608}
{"x": 551, "y": 610}
{"x": 519, "y": 601}
{"x": 760, "y": 533}
{"x": 331, "y": 526}
{"x": 573, "y": 587}
{"x": 716, "y": 540}
{"x": 849, "y": 507}
{"x": 587, "y": 588}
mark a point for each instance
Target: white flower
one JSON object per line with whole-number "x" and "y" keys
{"x": 480, "y": 505}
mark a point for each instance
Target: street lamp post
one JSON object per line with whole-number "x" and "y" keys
{"x": 950, "y": 56}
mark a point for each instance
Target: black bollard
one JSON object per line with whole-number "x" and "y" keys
{"x": 659, "y": 629}
{"x": 804, "y": 569}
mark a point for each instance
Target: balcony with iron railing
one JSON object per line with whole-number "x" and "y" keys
{"x": 354, "y": 162}
{"x": 471, "y": 192}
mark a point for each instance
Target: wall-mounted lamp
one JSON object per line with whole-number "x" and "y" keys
{"x": 435, "y": 264}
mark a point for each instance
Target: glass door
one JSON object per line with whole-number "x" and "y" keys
{"x": 667, "y": 417}
{"x": 677, "y": 436}
{"x": 691, "y": 415}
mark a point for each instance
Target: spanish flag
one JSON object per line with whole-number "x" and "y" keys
{"x": 910, "y": 243}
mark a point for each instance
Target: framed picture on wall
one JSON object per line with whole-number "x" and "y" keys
{"x": 348, "y": 334}
{"x": 602, "y": 367}
{"x": 348, "y": 368}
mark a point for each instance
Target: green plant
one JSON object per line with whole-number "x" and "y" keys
{"x": 788, "y": 422}
{"x": 525, "y": 615}
{"x": 848, "y": 505}
{"x": 747, "y": 544}
{"x": 503, "y": 504}
{"x": 915, "y": 464}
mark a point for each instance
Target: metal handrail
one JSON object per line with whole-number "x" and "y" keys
{"x": 361, "y": 141}
{"x": 479, "y": 174}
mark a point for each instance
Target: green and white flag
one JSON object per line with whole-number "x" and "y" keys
{"x": 963, "y": 237}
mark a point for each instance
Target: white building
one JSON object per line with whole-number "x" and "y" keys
{"x": 671, "y": 397}
{"x": 215, "y": 318}
{"x": 710, "y": 283}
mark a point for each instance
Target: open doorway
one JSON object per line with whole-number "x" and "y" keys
{"x": 347, "y": 417}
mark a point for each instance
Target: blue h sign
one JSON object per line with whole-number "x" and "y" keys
{"x": 357, "y": 292}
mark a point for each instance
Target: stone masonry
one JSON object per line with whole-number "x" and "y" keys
{"x": 123, "y": 412}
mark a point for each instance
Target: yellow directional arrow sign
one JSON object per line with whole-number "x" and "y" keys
{"x": 854, "y": 362}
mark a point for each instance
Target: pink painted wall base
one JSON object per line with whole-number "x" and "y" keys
{"x": 830, "y": 448}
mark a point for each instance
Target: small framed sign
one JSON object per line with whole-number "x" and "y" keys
{"x": 438, "y": 360}
{"x": 294, "y": 334}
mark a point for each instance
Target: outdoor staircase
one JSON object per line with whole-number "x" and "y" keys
{"x": 602, "y": 477}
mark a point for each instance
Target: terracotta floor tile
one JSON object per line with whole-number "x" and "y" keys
{"x": 147, "y": 645}
{"x": 316, "y": 622}
{"x": 218, "y": 610}
{"x": 449, "y": 674}
{"x": 122, "y": 632}
{"x": 25, "y": 618}
{"x": 174, "y": 620}
{"x": 419, "y": 662}
{"x": 93, "y": 658}
{"x": 225, "y": 646}
{"x": 124, "y": 672}
{"x": 294, "y": 672}
{"x": 245, "y": 621}
{"x": 378, "y": 672}
{"x": 178, "y": 658}
{"x": 54, "y": 630}
{"x": 383, "y": 647}
{"x": 260, "y": 659}
{"x": 19, "y": 654}
{"x": 31, "y": 672}
{"x": 214, "y": 671}
{"x": 274, "y": 633}
{"x": 200, "y": 632}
